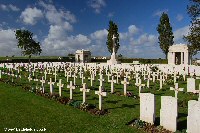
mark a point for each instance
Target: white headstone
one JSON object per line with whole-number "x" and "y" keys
{"x": 193, "y": 118}
{"x": 168, "y": 113}
{"x": 191, "y": 85}
{"x": 147, "y": 107}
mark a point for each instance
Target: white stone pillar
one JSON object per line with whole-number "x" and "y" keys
{"x": 173, "y": 54}
{"x": 186, "y": 58}
{"x": 182, "y": 62}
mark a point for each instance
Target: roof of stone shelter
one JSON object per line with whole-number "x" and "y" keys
{"x": 83, "y": 51}
{"x": 178, "y": 48}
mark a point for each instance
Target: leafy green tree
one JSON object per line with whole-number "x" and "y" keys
{"x": 113, "y": 30}
{"x": 165, "y": 33}
{"x": 28, "y": 46}
{"x": 193, "y": 37}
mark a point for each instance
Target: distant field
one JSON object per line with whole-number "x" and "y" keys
{"x": 34, "y": 57}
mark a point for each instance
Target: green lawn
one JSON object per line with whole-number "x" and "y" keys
{"x": 23, "y": 109}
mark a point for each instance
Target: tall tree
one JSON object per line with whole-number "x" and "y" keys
{"x": 193, "y": 37}
{"x": 112, "y": 30}
{"x": 28, "y": 46}
{"x": 165, "y": 33}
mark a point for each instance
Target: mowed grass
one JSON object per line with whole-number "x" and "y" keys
{"x": 21, "y": 109}
{"x": 24, "y": 109}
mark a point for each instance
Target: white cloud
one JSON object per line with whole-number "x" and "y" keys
{"x": 97, "y": 5}
{"x": 179, "y": 33}
{"x": 59, "y": 17}
{"x": 31, "y": 15}
{"x": 13, "y": 8}
{"x": 145, "y": 40}
{"x": 58, "y": 42}
{"x": 179, "y": 17}
{"x": 100, "y": 34}
{"x": 111, "y": 14}
{"x": 133, "y": 29}
{"x": 9, "y": 7}
{"x": 123, "y": 36}
{"x": 8, "y": 43}
{"x": 159, "y": 12}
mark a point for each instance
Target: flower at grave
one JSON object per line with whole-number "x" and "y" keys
{"x": 129, "y": 94}
{"x": 139, "y": 123}
{"x": 84, "y": 106}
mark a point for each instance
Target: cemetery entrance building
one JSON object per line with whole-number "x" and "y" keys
{"x": 83, "y": 56}
{"x": 179, "y": 54}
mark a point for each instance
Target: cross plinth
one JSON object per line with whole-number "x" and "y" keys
{"x": 51, "y": 86}
{"x": 55, "y": 74}
{"x": 74, "y": 76}
{"x": 125, "y": 82}
{"x": 84, "y": 90}
{"x": 176, "y": 89}
{"x": 45, "y": 75}
{"x": 140, "y": 85}
{"x": 71, "y": 87}
{"x": 148, "y": 80}
{"x": 29, "y": 78}
{"x": 112, "y": 81}
{"x": 92, "y": 77}
{"x": 101, "y": 80}
{"x": 60, "y": 85}
{"x": 42, "y": 84}
{"x": 101, "y": 94}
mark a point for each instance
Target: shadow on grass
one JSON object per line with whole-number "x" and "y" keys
{"x": 113, "y": 102}
{"x": 93, "y": 98}
{"x": 157, "y": 121}
{"x": 183, "y": 123}
{"x": 128, "y": 106}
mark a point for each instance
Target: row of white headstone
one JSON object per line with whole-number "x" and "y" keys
{"x": 169, "y": 112}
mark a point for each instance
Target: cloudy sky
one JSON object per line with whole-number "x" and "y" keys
{"x": 63, "y": 26}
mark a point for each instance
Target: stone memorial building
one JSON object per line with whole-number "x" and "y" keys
{"x": 83, "y": 56}
{"x": 179, "y": 54}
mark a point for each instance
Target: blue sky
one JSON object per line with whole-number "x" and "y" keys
{"x": 64, "y": 26}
